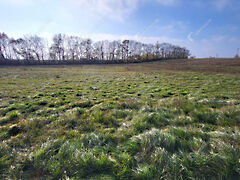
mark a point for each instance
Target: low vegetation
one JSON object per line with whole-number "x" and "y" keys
{"x": 119, "y": 122}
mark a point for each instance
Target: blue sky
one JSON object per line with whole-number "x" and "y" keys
{"x": 206, "y": 27}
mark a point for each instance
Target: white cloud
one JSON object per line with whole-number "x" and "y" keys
{"x": 173, "y": 27}
{"x": 220, "y": 38}
{"x": 168, "y": 2}
{"x": 148, "y": 28}
{"x": 18, "y": 3}
{"x": 145, "y": 39}
{"x": 221, "y": 4}
{"x": 235, "y": 40}
{"x": 114, "y": 9}
{"x": 218, "y": 5}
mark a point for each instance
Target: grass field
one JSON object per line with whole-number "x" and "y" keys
{"x": 161, "y": 120}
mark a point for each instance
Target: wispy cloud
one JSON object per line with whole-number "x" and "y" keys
{"x": 204, "y": 26}
{"x": 117, "y": 10}
{"x": 172, "y": 27}
{"x": 148, "y": 28}
{"x": 218, "y": 5}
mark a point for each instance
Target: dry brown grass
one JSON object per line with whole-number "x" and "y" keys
{"x": 221, "y": 66}
{"x": 211, "y": 65}
{"x": 230, "y": 66}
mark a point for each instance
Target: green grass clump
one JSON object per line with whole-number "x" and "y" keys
{"x": 74, "y": 158}
{"x": 139, "y": 124}
{"x": 231, "y": 118}
{"x": 188, "y": 108}
{"x": 208, "y": 117}
{"x": 6, "y": 160}
{"x": 159, "y": 119}
{"x": 43, "y": 103}
{"x": 105, "y": 119}
{"x": 12, "y": 116}
{"x": 121, "y": 114}
{"x": 86, "y": 104}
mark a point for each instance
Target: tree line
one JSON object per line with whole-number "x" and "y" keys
{"x": 74, "y": 48}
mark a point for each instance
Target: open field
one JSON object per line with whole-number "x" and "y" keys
{"x": 161, "y": 120}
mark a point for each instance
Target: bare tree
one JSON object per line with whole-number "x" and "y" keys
{"x": 88, "y": 48}
{"x": 157, "y": 51}
{"x": 113, "y": 46}
{"x": 21, "y": 49}
{"x": 125, "y": 49}
{"x": 65, "y": 47}
{"x": 5, "y": 47}
{"x": 3, "y": 38}
{"x": 73, "y": 47}
{"x": 98, "y": 50}
{"x": 36, "y": 47}
{"x": 57, "y": 48}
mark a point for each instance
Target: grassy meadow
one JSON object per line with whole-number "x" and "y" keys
{"x": 162, "y": 120}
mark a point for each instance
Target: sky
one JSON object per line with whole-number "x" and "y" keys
{"x": 206, "y": 27}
